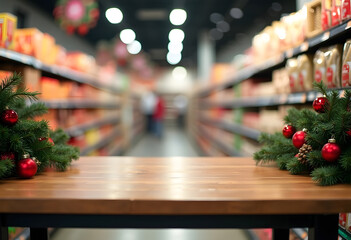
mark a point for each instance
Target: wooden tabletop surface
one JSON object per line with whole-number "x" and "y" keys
{"x": 174, "y": 185}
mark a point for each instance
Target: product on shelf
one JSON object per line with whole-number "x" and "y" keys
{"x": 333, "y": 66}
{"x": 28, "y": 41}
{"x": 81, "y": 62}
{"x": 346, "y": 64}
{"x": 336, "y": 12}
{"x": 48, "y": 49}
{"x": 326, "y": 14}
{"x": 315, "y": 18}
{"x": 305, "y": 77}
{"x": 280, "y": 79}
{"x": 319, "y": 66}
{"x": 292, "y": 69}
{"x": 8, "y": 25}
{"x": 348, "y": 222}
{"x": 345, "y": 10}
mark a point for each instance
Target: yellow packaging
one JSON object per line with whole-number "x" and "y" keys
{"x": 305, "y": 78}
{"x": 28, "y": 41}
{"x": 48, "y": 44}
{"x": 333, "y": 64}
{"x": 346, "y": 64}
{"x": 291, "y": 67}
{"x": 8, "y": 25}
{"x": 320, "y": 64}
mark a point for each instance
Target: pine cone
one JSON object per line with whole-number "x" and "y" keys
{"x": 303, "y": 151}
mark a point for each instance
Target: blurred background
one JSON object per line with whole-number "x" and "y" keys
{"x": 171, "y": 78}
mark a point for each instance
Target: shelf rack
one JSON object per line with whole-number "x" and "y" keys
{"x": 78, "y": 130}
{"x": 232, "y": 127}
{"x": 310, "y": 44}
{"x": 102, "y": 143}
{"x": 79, "y": 104}
{"x": 56, "y": 71}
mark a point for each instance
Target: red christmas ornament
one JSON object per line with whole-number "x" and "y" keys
{"x": 320, "y": 104}
{"x": 288, "y": 131}
{"x": 9, "y": 117}
{"x": 331, "y": 151}
{"x": 7, "y": 155}
{"x": 26, "y": 167}
{"x": 348, "y": 133}
{"x": 299, "y": 138}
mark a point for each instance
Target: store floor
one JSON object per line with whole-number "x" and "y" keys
{"x": 173, "y": 143}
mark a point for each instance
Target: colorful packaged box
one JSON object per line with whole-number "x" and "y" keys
{"x": 326, "y": 14}
{"x": 48, "y": 53}
{"x": 345, "y": 10}
{"x": 28, "y": 41}
{"x": 336, "y": 13}
{"x": 8, "y": 25}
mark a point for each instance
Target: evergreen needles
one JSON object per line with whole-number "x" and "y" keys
{"x": 27, "y": 135}
{"x": 335, "y": 123}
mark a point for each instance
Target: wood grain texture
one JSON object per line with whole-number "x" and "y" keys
{"x": 175, "y": 185}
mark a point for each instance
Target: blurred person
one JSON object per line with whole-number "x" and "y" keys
{"x": 148, "y": 102}
{"x": 180, "y": 102}
{"x": 158, "y": 116}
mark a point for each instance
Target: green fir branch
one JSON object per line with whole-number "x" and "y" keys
{"x": 59, "y": 136}
{"x": 31, "y": 111}
{"x": 345, "y": 159}
{"x": 9, "y": 83}
{"x": 320, "y": 87}
{"x": 328, "y": 175}
{"x": 315, "y": 160}
{"x": 294, "y": 166}
{"x": 7, "y": 167}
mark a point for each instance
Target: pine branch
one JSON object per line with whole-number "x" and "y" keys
{"x": 314, "y": 159}
{"x": 10, "y": 82}
{"x": 295, "y": 167}
{"x": 328, "y": 175}
{"x": 59, "y": 136}
{"x": 7, "y": 167}
{"x": 321, "y": 87}
{"x": 345, "y": 159}
{"x": 31, "y": 111}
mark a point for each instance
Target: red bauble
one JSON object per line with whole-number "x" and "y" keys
{"x": 348, "y": 133}
{"x": 299, "y": 139}
{"x": 331, "y": 151}
{"x": 26, "y": 167}
{"x": 320, "y": 104}
{"x": 9, "y": 117}
{"x": 288, "y": 131}
{"x": 7, "y": 155}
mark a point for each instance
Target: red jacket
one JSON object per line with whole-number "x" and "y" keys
{"x": 159, "y": 109}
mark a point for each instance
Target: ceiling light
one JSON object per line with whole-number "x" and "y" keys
{"x": 215, "y": 34}
{"x": 134, "y": 47}
{"x": 174, "y": 58}
{"x": 176, "y": 35}
{"x": 223, "y": 26}
{"x": 236, "y": 13}
{"x": 177, "y": 16}
{"x": 114, "y": 15}
{"x": 175, "y": 47}
{"x": 216, "y": 17}
{"x": 127, "y": 36}
{"x": 179, "y": 73}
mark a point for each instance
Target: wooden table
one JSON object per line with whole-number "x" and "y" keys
{"x": 174, "y": 192}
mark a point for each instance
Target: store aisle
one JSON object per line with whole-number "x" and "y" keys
{"x": 173, "y": 143}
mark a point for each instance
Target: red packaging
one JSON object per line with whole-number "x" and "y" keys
{"x": 345, "y": 9}
{"x": 326, "y": 14}
{"x": 335, "y": 13}
{"x": 342, "y": 220}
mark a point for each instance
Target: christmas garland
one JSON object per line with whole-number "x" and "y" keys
{"x": 322, "y": 145}
{"x": 28, "y": 147}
